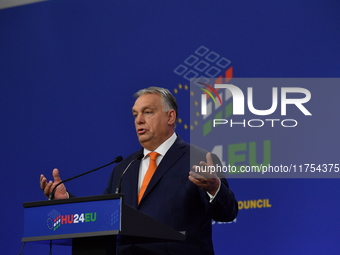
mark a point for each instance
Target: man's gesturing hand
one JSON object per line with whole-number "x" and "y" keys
{"x": 205, "y": 179}
{"x": 47, "y": 187}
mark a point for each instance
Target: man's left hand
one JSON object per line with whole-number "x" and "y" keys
{"x": 205, "y": 179}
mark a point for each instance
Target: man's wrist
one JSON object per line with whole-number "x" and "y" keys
{"x": 212, "y": 197}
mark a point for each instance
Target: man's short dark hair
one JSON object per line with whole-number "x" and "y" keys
{"x": 168, "y": 100}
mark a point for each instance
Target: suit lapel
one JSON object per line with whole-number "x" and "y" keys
{"x": 173, "y": 154}
{"x": 131, "y": 178}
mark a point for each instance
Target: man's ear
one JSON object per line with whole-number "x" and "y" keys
{"x": 172, "y": 117}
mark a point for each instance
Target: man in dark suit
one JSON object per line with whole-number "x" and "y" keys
{"x": 183, "y": 199}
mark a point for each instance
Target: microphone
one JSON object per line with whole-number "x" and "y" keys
{"x": 116, "y": 160}
{"x": 139, "y": 157}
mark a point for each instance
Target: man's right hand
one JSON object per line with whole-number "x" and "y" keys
{"x": 60, "y": 192}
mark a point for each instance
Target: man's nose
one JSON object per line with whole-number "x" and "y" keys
{"x": 139, "y": 119}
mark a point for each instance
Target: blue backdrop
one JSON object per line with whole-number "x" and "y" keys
{"x": 68, "y": 72}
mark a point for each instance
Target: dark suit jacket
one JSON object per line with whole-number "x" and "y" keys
{"x": 173, "y": 199}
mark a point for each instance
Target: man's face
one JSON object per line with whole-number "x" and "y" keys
{"x": 153, "y": 125}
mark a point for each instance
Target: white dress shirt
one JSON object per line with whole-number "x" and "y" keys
{"x": 161, "y": 150}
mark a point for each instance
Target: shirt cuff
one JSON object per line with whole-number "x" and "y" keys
{"x": 211, "y": 197}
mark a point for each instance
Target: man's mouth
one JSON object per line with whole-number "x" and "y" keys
{"x": 141, "y": 131}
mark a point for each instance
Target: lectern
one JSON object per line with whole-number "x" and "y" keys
{"x": 92, "y": 225}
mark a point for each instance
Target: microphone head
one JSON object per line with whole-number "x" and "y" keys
{"x": 140, "y": 156}
{"x": 118, "y": 159}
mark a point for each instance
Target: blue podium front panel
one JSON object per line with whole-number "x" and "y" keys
{"x": 79, "y": 219}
